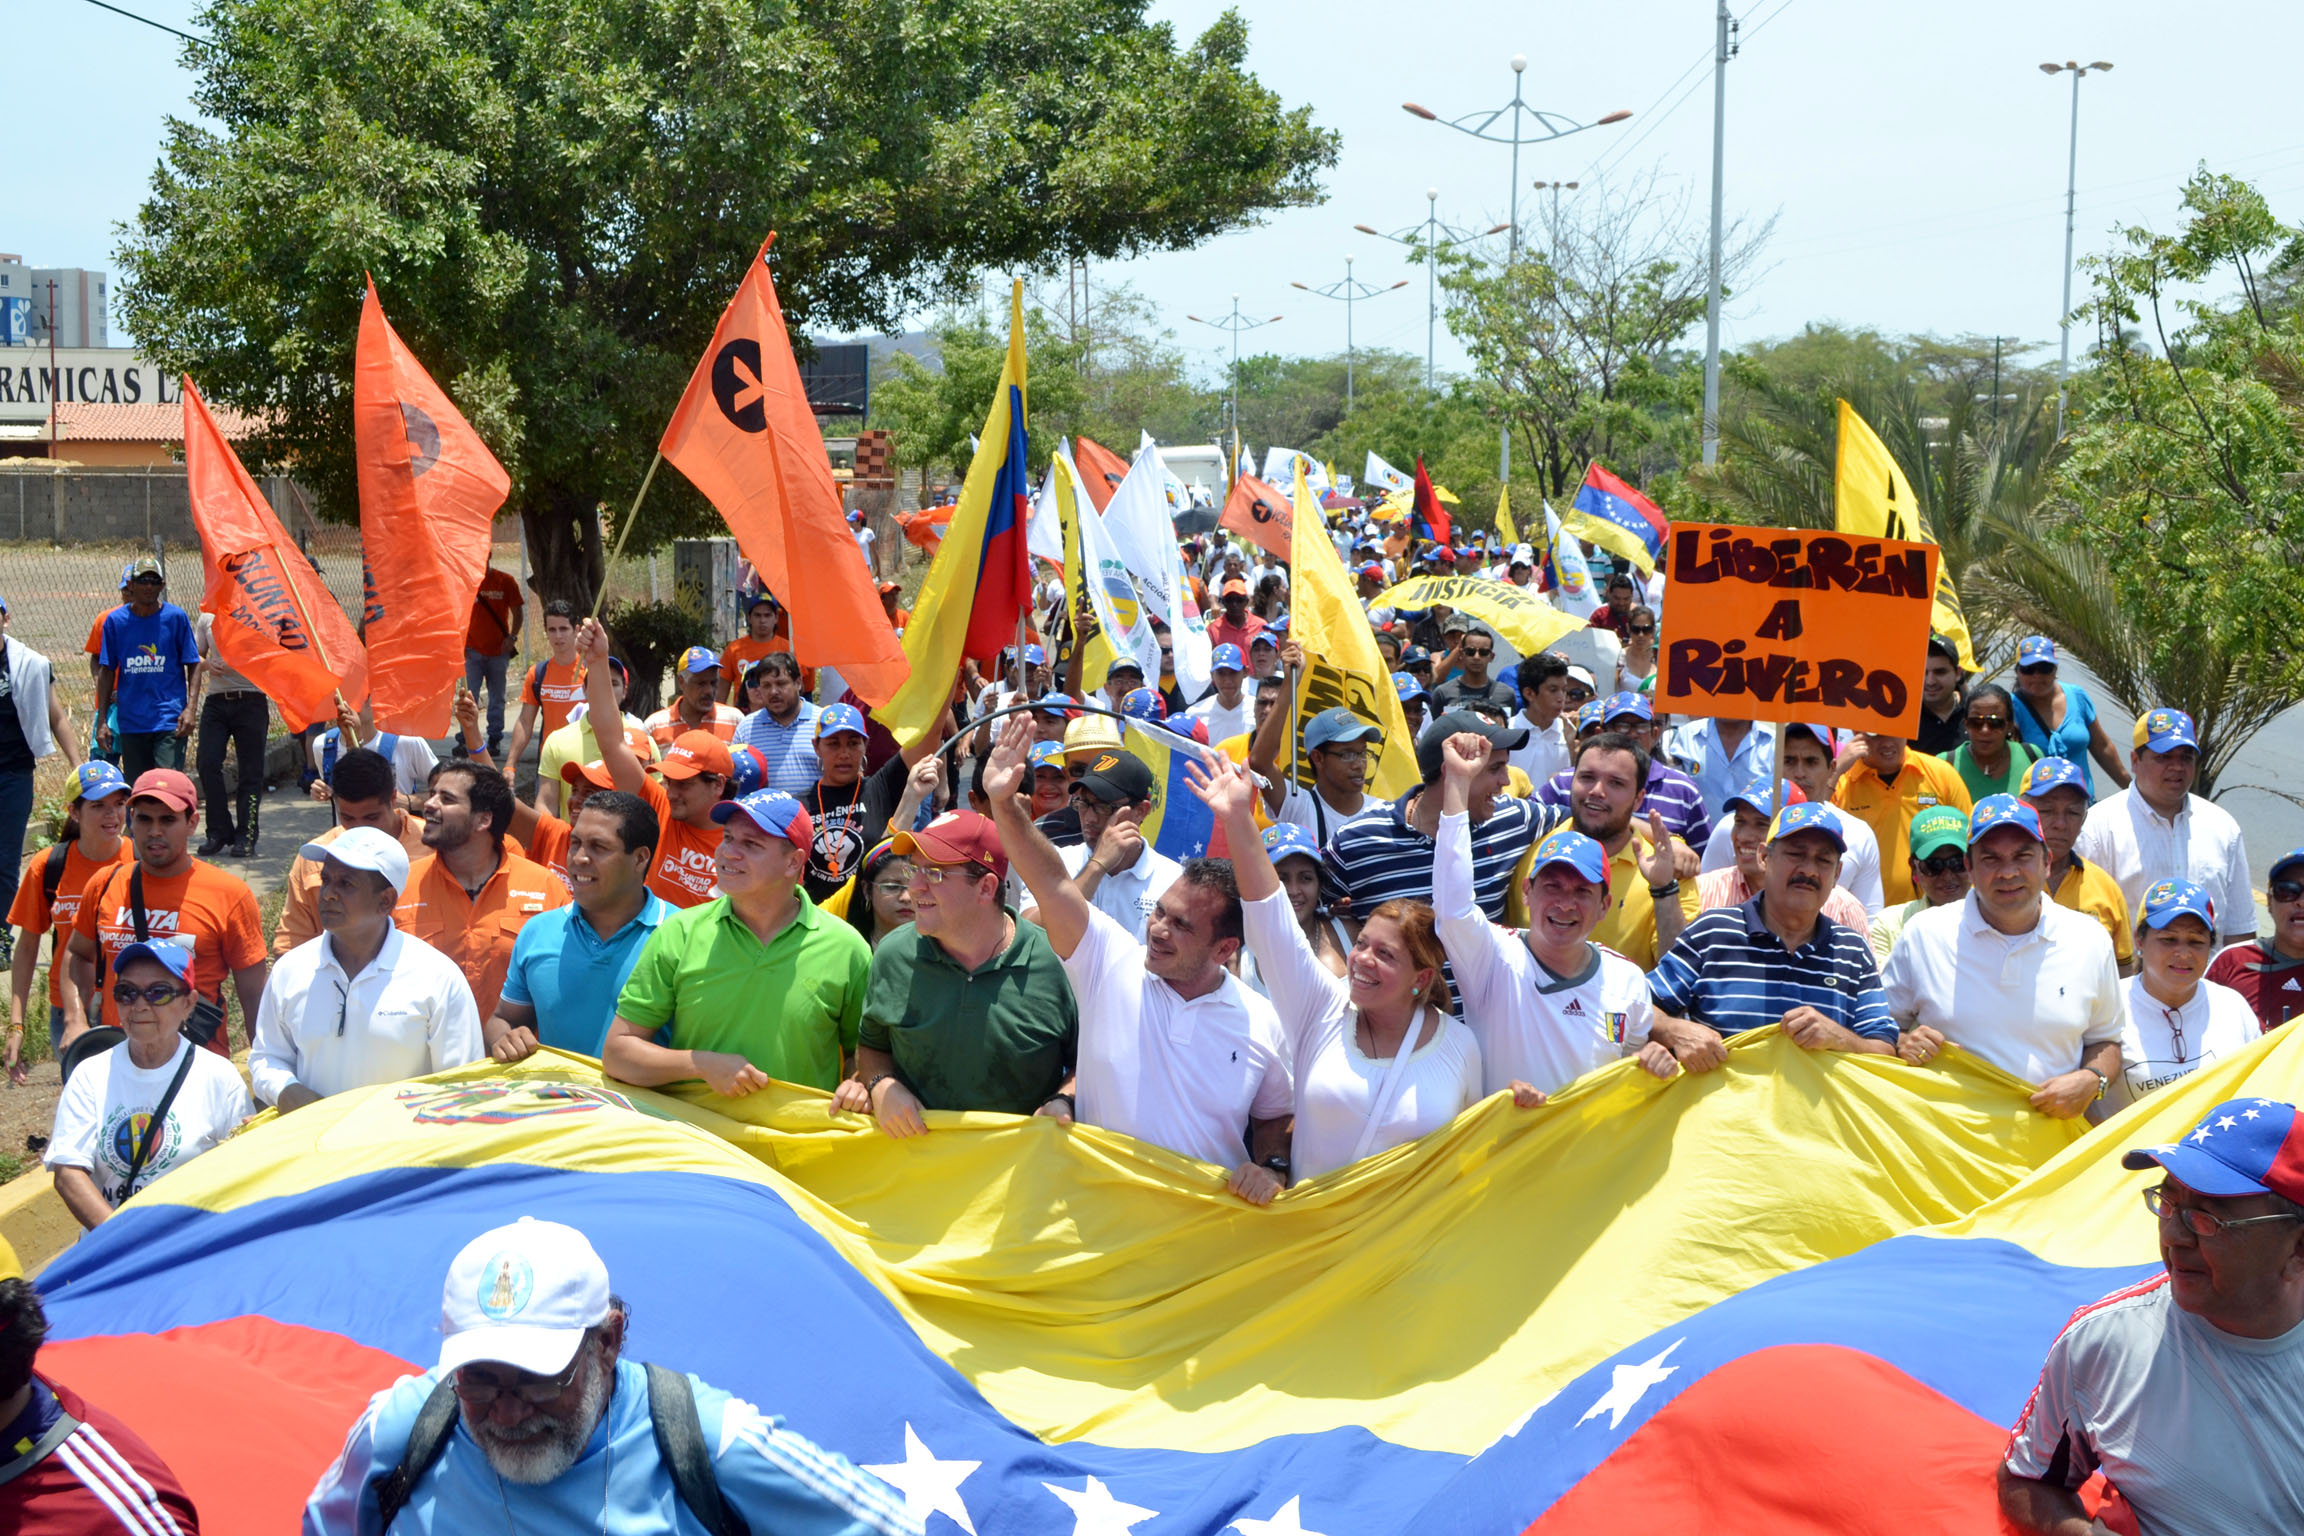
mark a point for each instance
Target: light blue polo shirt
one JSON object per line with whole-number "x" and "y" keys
{"x": 572, "y": 977}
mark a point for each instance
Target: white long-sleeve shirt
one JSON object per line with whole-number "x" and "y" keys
{"x": 1533, "y": 1027}
{"x": 408, "y": 1013}
{"x": 1337, "y": 1086}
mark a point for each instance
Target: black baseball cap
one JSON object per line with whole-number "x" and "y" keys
{"x": 1117, "y": 778}
{"x": 1437, "y": 732}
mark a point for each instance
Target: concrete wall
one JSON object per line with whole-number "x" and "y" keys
{"x": 110, "y": 505}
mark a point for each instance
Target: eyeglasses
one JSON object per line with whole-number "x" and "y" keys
{"x": 936, "y": 874}
{"x": 1579, "y": 695}
{"x": 479, "y": 1389}
{"x": 1987, "y": 722}
{"x": 1945, "y": 864}
{"x": 2199, "y": 1222}
{"x": 2285, "y": 890}
{"x": 1347, "y": 755}
{"x": 892, "y": 887}
{"x": 153, "y": 997}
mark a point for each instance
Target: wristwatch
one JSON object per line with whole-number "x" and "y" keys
{"x": 1277, "y": 1163}
{"x": 1668, "y": 889}
{"x": 2103, "y": 1084}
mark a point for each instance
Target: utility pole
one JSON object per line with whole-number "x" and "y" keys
{"x": 1235, "y": 323}
{"x": 1724, "y": 48}
{"x": 1426, "y": 237}
{"x": 1350, "y": 290}
{"x": 55, "y": 374}
{"x": 2071, "y": 191}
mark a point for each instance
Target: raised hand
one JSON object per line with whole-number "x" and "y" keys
{"x": 1463, "y": 755}
{"x": 1224, "y": 787}
{"x": 1009, "y": 767}
{"x": 1658, "y": 864}
{"x": 592, "y": 643}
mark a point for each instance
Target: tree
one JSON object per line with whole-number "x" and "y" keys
{"x": 556, "y": 202}
{"x": 1574, "y": 342}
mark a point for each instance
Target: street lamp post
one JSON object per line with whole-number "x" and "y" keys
{"x": 1425, "y": 237}
{"x": 1235, "y": 323}
{"x": 1502, "y": 125}
{"x": 1555, "y": 188}
{"x": 1724, "y": 49}
{"x": 2071, "y": 188}
{"x": 1349, "y": 290}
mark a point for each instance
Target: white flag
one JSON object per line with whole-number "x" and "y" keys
{"x": 1380, "y": 473}
{"x": 1121, "y": 611}
{"x": 1137, "y": 521}
{"x": 1044, "y": 530}
{"x": 1574, "y": 595}
{"x": 1280, "y": 469}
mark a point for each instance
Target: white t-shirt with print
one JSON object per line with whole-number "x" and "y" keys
{"x": 110, "y": 1100}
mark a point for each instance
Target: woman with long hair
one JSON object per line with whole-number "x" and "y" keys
{"x": 91, "y": 842}
{"x": 881, "y": 903}
{"x": 1638, "y": 662}
{"x": 1297, "y": 859}
{"x": 1378, "y": 1059}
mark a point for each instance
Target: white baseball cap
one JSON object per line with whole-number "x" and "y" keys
{"x": 522, "y": 1296}
{"x": 366, "y": 848}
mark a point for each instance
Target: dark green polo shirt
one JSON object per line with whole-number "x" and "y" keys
{"x": 999, "y": 1038}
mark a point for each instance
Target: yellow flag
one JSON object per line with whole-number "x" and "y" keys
{"x": 1342, "y": 664}
{"x": 1872, "y": 498}
{"x": 1504, "y": 525}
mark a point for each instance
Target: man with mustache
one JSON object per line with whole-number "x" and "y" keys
{"x": 562, "y": 1433}
{"x": 1774, "y": 960}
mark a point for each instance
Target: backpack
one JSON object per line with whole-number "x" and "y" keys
{"x": 387, "y": 747}
{"x": 671, "y": 1413}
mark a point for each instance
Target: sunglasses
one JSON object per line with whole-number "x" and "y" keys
{"x": 1640, "y": 629}
{"x": 2285, "y": 890}
{"x": 1579, "y": 695}
{"x": 1987, "y": 722}
{"x": 1944, "y": 864}
{"x": 1480, "y": 655}
{"x": 153, "y": 997}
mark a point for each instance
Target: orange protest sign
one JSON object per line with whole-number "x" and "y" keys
{"x": 1256, "y": 511}
{"x": 1795, "y": 624}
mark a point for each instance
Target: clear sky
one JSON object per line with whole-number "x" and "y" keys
{"x": 1914, "y": 157}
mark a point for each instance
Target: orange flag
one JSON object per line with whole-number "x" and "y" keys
{"x": 746, "y": 436}
{"x": 429, "y": 490}
{"x": 275, "y": 620}
{"x": 1101, "y": 470}
{"x": 1256, "y": 511}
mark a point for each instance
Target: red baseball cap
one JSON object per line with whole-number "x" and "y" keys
{"x": 167, "y": 786}
{"x": 956, "y": 837}
{"x": 695, "y": 752}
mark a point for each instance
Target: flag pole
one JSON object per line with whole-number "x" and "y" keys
{"x": 607, "y": 571}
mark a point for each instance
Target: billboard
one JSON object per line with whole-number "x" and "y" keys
{"x": 838, "y": 378}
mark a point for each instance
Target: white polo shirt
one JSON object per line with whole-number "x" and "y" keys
{"x": 1127, "y": 896}
{"x": 1546, "y": 751}
{"x": 2137, "y": 846}
{"x": 408, "y": 1013}
{"x": 1185, "y": 1074}
{"x": 2029, "y": 1003}
{"x": 1859, "y": 866}
{"x": 1533, "y": 1027}
{"x": 1225, "y": 723}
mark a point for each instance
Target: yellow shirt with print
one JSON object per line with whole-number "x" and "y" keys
{"x": 2085, "y": 888}
{"x": 1888, "y": 810}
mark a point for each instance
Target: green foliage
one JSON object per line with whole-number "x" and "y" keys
{"x": 557, "y": 201}
{"x": 650, "y": 636}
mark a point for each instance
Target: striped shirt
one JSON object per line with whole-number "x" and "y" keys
{"x": 1729, "y": 971}
{"x": 1671, "y": 794}
{"x": 94, "y": 1475}
{"x": 790, "y": 750}
{"x": 1379, "y": 857}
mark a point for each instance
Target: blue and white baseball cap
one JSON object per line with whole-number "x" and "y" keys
{"x": 1591, "y": 714}
{"x": 2053, "y": 773}
{"x": 1996, "y": 811}
{"x": 773, "y": 812}
{"x": 522, "y": 1295}
{"x": 1572, "y": 850}
{"x": 1758, "y": 796}
{"x": 1144, "y": 704}
{"x": 750, "y": 770}
{"x": 1405, "y": 684}
{"x": 2241, "y": 1147}
{"x": 1284, "y": 838}
{"x": 2285, "y": 862}
{"x": 1055, "y": 704}
{"x": 1034, "y": 656}
{"x": 839, "y": 719}
{"x": 2165, "y": 730}
{"x": 696, "y": 659}
{"x": 1618, "y": 705}
{"x": 171, "y": 956}
{"x": 2035, "y": 651}
{"x": 1048, "y": 754}
{"x": 1227, "y": 658}
{"x": 94, "y": 780}
{"x": 1809, "y": 816}
{"x": 2168, "y": 900}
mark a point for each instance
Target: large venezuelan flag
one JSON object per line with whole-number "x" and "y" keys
{"x": 1805, "y": 1293}
{"x": 1618, "y": 518}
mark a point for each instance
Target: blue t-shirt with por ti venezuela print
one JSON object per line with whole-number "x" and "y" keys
{"x": 149, "y": 656}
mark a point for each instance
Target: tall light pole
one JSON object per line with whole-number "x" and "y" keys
{"x": 1555, "y": 188}
{"x": 1235, "y": 322}
{"x": 1724, "y": 49}
{"x": 1425, "y": 237}
{"x": 1350, "y": 290}
{"x": 2071, "y": 189}
{"x": 1502, "y": 126}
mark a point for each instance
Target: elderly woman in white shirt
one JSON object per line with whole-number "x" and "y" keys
{"x": 2177, "y": 1019}
{"x": 1378, "y": 1061}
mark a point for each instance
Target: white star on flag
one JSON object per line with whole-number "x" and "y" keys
{"x": 2199, "y": 1135}
{"x": 2249, "y": 1114}
{"x": 929, "y": 1486}
{"x": 1630, "y": 1384}
{"x": 1096, "y": 1513}
{"x": 2226, "y": 1123}
{"x": 1285, "y": 1521}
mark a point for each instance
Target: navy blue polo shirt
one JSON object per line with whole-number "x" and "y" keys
{"x": 1729, "y": 971}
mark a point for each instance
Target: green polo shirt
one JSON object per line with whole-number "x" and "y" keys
{"x": 1001, "y": 1037}
{"x": 789, "y": 1007}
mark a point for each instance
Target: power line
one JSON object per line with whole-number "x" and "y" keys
{"x": 102, "y": 5}
{"x": 1616, "y": 154}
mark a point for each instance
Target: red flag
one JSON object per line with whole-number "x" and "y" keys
{"x": 1431, "y": 519}
{"x": 429, "y": 490}
{"x": 745, "y": 435}
{"x": 1256, "y": 511}
{"x": 275, "y": 620}
{"x": 1101, "y": 471}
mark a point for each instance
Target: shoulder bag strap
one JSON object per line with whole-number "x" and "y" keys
{"x": 1388, "y": 1091}
{"x": 159, "y": 1122}
{"x": 680, "y": 1442}
{"x": 434, "y": 1422}
{"x": 136, "y": 903}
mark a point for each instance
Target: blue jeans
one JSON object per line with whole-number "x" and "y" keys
{"x": 143, "y": 751}
{"x": 490, "y": 671}
{"x": 15, "y": 816}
